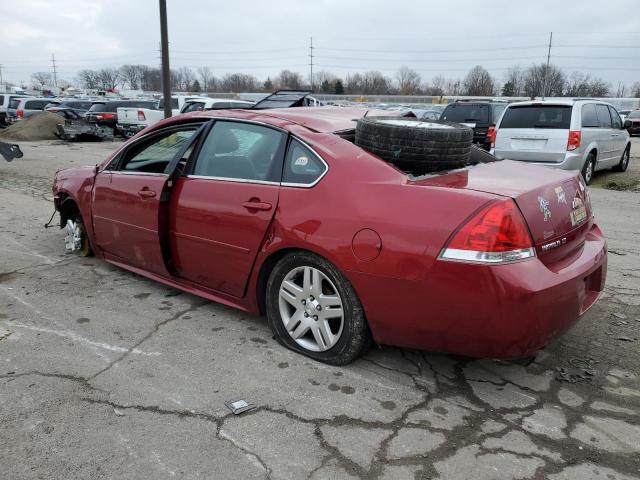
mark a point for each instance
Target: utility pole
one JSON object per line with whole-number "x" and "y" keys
{"x": 166, "y": 72}
{"x": 546, "y": 70}
{"x": 2, "y": 86}
{"x": 55, "y": 72}
{"x": 311, "y": 63}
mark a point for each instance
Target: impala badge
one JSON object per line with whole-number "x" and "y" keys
{"x": 544, "y": 208}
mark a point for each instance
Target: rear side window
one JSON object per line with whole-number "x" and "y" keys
{"x": 466, "y": 113}
{"x": 537, "y": 116}
{"x": 193, "y": 107}
{"x": 604, "y": 118}
{"x": 14, "y": 102}
{"x": 98, "y": 107}
{"x": 302, "y": 166}
{"x": 589, "y": 117}
{"x": 36, "y": 104}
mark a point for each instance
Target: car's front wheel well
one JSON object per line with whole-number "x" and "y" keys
{"x": 265, "y": 272}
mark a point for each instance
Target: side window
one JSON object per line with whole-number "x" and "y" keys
{"x": 603, "y": 116}
{"x": 616, "y": 121}
{"x": 497, "y": 111}
{"x": 589, "y": 118}
{"x": 193, "y": 107}
{"x": 302, "y": 166}
{"x": 154, "y": 154}
{"x": 241, "y": 151}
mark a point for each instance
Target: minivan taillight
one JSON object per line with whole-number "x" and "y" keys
{"x": 491, "y": 135}
{"x": 498, "y": 233}
{"x": 20, "y": 113}
{"x": 141, "y": 117}
{"x": 574, "y": 140}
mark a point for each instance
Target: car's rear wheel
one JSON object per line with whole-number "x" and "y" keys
{"x": 589, "y": 168}
{"x": 313, "y": 309}
{"x": 624, "y": 161}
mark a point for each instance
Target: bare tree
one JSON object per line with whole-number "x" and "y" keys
{"x": 109, "y": 78}
{"x": 375, "y": 83}
{"x": 289, "y": 79}
{"x": 408, "y": 81}
{"x": 436, "y": 88}
{"x": 621, "y": 90}
{"x": 479, "y": 82}
{"x": 513, "y": 82}
{"x": 206, "y": 78}
{"x": 238, "y": 82}
{"x": 89, "y": 78}
{"x": 41, "y": 78}
{"x": 354, "y": 84}
{"x": 131, "y": 75}
{"x": 187, "y": 77}
{"x": 534, "y": 81}
{"x": 635, "y": 90}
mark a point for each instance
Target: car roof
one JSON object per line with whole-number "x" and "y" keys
{"x": 319, "y": 119}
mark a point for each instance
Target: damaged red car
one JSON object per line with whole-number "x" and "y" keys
{"x": 281, "y": 212}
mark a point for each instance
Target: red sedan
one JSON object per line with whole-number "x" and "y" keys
{"x": 278, "y": 212}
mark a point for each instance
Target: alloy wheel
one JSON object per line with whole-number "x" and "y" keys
{"x": 311, "y": 309}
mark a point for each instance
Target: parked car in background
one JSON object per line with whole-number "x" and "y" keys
{"x": 133, "y": 119}
{"x": 632, "y": 122}
{"x": 201, "y": 104}
{"x": 105, "y": 113}
{"x": 623, "y": 114}
{"x": 78, "y": 106}
{"x": 279, "y": 213}
{"x": 5, "y": 99}
{"x": 24, "y": 107}
{"x": 584, "y": 135}
{"x": 481, "y": 116}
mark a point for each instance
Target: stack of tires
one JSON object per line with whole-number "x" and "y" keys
{"x": 415, "y": 146}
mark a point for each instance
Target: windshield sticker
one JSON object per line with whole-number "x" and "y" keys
{"x": 544, "y": 208}
{"x": 560, "y": 195}
{"x": 302, "y": 161}
{"x": 579, "y": 213}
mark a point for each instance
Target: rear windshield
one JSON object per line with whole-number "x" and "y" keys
{"x": 113, "y": 106}
{"x": 174, "y": 103}
{"x": 466, "y": 113}
{"x": 36, "y": 104}
{"x": 537, "y": 116}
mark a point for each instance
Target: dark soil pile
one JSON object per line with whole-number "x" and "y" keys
{"x": 41, "y": 126}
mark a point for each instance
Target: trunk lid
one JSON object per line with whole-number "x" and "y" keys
{"x": 554, "y": 203}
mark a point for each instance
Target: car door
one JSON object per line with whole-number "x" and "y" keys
{"x": 605, "y": 140}
{"x": 221, "y": 210}
{"x": 618, "y": 136}
{"x": 127, "y": 198}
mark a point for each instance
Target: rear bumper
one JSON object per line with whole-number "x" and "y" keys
{"x": 506, "y": 311}
{"x": 567, "y": 161}
{"x": 130, "y": 130}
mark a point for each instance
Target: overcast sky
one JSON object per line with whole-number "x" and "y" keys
{"x": 264, "y": 37}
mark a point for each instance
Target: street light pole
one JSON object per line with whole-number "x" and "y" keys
{"x": 166, "y": 71}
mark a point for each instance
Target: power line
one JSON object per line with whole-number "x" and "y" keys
{"x": 546, "y": 70}
{"x": 311, "y": 63}
{"x": 55, "y": 73}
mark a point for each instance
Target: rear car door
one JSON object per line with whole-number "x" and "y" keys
{"x": 221, "y": 210}
{"x": 127, "y": 198}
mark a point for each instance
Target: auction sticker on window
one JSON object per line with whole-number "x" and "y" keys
{"x": 579, "y": 212}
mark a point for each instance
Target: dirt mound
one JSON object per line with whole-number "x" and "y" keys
{"x": 41, "y": 126}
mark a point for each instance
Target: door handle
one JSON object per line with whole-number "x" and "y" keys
{"x": 256, "y": 205}
{"x": 146, "y": 193}
{"x": 615, "y": 134}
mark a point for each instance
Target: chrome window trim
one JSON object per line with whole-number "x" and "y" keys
{"x": 315, "y": 182}
{"x": 236, "y": 180}
{"x": 133, "y": 172}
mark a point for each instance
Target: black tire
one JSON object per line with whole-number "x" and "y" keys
{"x": 590, "y": 162}
{"x": 414, "y": 146}
{"x": 355, "y": 338}
{"x": 624, "y": 160}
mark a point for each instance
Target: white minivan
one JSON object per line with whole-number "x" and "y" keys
{"x": 573, "y": 134}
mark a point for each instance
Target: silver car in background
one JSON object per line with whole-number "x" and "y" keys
{"x": 573, "y": 134}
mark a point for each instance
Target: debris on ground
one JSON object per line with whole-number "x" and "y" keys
{"x": 81, "y": 130}
{"x": 584, "y": 369}
{"x": 37, "y": 127}
{"x": 10, "y": 151}
{"x": 239, "y": 406}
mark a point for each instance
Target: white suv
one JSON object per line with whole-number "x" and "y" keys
{"x": 573, "y": 134}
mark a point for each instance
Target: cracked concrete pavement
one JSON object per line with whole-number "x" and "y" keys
{"x": 104, "y": 374}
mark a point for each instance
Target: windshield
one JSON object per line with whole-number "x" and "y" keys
{"x": 466, "y": 113}
{"x": 537, "y": 116}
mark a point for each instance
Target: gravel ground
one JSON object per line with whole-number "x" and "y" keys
{"x": 104, "y": 374}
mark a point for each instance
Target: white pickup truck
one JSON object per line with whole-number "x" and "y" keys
{"x": 133, "y": 120}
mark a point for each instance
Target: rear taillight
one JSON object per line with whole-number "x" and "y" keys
{"x": 574, "y": 140}
{"x": 108, "y": 116}
{"x": 491, "y": 135}
{"x": 141, "y": 117}
{"x": 20, "y": 113}
{"x": 496, "y": 234}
